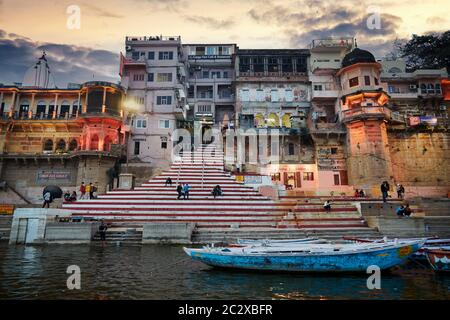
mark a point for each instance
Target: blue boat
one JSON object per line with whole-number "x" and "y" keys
{"x": 309, "y": 257}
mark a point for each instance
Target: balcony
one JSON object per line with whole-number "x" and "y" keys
{"x": 365, "y": 113}
{"x": 325, "y": 94}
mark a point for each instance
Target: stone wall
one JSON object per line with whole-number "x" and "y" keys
{"x": 420, "y": 161}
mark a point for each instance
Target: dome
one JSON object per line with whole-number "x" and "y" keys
{"x": 358, "y": 56}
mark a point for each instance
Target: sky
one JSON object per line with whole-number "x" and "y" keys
{"x": 92, "y": 51}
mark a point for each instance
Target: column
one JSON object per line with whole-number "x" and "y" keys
{"x": 1, "y": 102}
{"x": 104, "y": 100}
{"x": 85, "y": 106}
{"x": 31, "y": 105}
{"x": 56, "y": 106}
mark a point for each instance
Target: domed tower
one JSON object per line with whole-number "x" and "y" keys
{"x": 39, "y": 75}
{"x": 365, "y": 113}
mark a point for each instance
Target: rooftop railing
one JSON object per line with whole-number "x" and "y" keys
{"x": 153, "y": 38}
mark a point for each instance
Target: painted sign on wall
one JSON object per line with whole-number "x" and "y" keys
{"x": 45, "y": 177}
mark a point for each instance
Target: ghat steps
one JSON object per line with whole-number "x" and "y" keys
{"x": 240, "y": 208}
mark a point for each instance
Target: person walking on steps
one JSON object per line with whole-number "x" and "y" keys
{"x": 384, "y": 190}
{"x": 179, "y": 191}
{"x": 327, "y": 206}
{"x": 88, "y": 191}
{"x": 186, "y": 189}
{"x": 400, "y": 191}
{"x": 168, "y": 182}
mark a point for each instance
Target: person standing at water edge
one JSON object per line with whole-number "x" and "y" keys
{"x": 47, "y": 199}
{"x": 102, "y": 229}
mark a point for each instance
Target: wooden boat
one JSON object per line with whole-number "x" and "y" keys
{"x": 439, "y": 259}
{"x": 309, "y": 257}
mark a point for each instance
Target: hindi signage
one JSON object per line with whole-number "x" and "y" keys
{"x": 46, "y": 177}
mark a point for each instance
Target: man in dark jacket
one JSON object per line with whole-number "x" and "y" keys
{"x": 384, "y": 190}
{"x": 179, "y": 191}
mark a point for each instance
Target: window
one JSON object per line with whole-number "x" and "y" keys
{"x": 215, "y": 74}
{"x": 258, "y": 64}
{"x": 430, "y": 88}
{"x": 337, "y": 180}
{"x": 73, "y": 145}
{"x": 224, "y": 51}
{"x": 65, "y": 108}
{"x": 205, "y": 74}
{"x": 151, "y": 55}
{"x": 40, "y": 110}
{"x": 334, "y": 150}
{"x": 75, "y": 108}
{"x": 141, "y": 123}
{"x": 308, "y": 176}
{"x": 225, "y": 74}
{"x": 301, "y": 64}
{"x": 163, "y": 100}
{"x": 139, "y": 100}
{"x": 353, "y": 82}
{"x": 288, "y": 95}
{"x": 274, "y": 95}
{"x": 137, "y": 147}
{"x": 376, "y": 81}
{"x": 165, "y": 55}
{"x": 164, "y": 77}
{"x": 244, "y": 64}
{"x": 151, "y": 77}
{"x": 61, "y": 145}
{"x": 367, "y": 80}
{"x": 210, "y": 50}
{"x": 204, "y": 108}
{"x": 245, "y": 95}
{"x": 291, "y": 149}
{"x": 138, "y": 77}
{"x": 48, "y": 145}
{"x": 164, "y": 124}
{"x": 135, "y": 55}
{"x": 287, "y": 65}
{"x": 260, "y": 95}
{"x": 438, "y": 88}
{"x": 163, "y": 142}
{"x": 272, "y": 64}
{"x": 317, "y": 87}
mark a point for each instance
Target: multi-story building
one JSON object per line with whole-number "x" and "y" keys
{"x": 210, "y": 76}
{"x": 272, "y": 92}
{"x": 51, "y": 135}
{"x": 154, "y": 76}
{"x": 324, "y": 124}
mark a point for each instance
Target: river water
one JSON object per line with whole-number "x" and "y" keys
{"x": 165, "y": 272}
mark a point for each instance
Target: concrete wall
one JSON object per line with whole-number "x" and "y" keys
{"x": 63, "y": 232}
{"x": 167, "y": 233}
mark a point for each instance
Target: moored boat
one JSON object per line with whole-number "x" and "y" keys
{"x": 309, "y": 257}
{"x": 278, "y": 241}
{"x": 439, "y": 259}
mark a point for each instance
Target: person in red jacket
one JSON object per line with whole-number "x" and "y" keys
{"x": 82, "y": 191}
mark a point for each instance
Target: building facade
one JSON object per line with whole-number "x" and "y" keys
{"x": 153, "y": 74}
{"x": 59, "y": 136}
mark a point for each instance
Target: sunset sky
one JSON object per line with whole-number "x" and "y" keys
{"x": 26, "y": 27}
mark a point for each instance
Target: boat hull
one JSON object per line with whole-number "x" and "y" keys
{"x": 439, "y": 259}
{"x": 345, "y": 262}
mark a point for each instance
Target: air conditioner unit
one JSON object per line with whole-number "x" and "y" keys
{"x": 128, "y": 48}
{"x": 443, "y": 107}
{"x": 413, "y": 86}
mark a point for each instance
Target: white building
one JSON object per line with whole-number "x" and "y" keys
{"x": 154, "y": 75}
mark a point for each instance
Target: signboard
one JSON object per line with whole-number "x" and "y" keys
{"x": 6, "y": 209}
{"x": 208, "y": 57}
{"x": 252, "y": 179}
{"x": 45, "y": 177}
{"x": 427, "y": 120}
{"x": 328, "y": 164}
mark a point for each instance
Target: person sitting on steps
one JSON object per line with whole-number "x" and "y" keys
{"x": 327, "y": 206}
{"x": 217, "y": 191}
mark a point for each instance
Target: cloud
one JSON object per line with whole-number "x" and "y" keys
{"x": 166, "y": 5}
{"x": 68, "y": 63}
{"x": 210, "y": 22}
{"x": 305, "y": 20}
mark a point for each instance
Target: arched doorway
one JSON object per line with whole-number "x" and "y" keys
{"x": 48, "y": 145}
{"x": 94, "y": 142}
{"x": 61, "y": 146}
{"x": 273, "y": 120}
{"x": 107, "y": 144}
{"x": 259, "y": 120}
{"x": 73, "y": 145}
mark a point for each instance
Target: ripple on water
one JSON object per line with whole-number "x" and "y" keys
{"x": 165, "y": 272}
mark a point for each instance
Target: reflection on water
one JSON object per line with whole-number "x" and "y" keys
{"x": 165, "y": 272}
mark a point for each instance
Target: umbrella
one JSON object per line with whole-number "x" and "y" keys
{"x": 55, "y": 191}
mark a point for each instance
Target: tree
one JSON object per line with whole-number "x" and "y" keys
{"x": 431, "y": 51}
